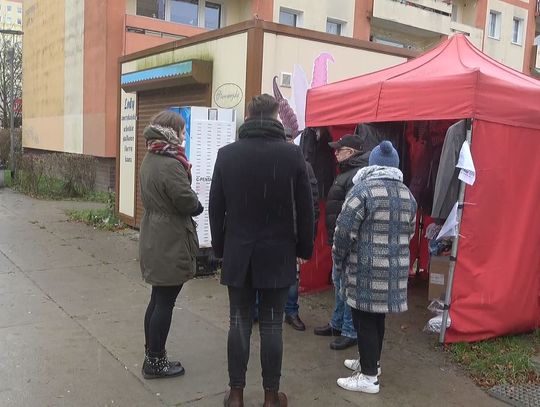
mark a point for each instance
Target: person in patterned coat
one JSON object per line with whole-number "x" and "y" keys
{"x": 371, "y": 256}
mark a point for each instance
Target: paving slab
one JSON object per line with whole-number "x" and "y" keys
{"x": 71, "y": 330}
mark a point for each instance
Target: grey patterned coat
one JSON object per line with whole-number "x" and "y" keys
{"x": 371, "y": 243}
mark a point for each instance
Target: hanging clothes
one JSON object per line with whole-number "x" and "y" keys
{"x": 314, "y": 144}
{"x": 447, "y": 182}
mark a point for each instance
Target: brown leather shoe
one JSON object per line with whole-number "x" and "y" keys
{"x": 295, "y": 322}
{"x": 326, "y": 330}
{"x": 234, "y": 398}
{"x": 271, "y": 399}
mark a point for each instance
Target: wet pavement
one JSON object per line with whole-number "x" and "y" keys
{"x": 71, "y": 312}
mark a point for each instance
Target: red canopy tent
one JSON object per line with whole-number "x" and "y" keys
{"x": 496, "y": 287}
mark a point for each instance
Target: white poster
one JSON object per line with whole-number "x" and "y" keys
{"x": 128, "y": 122}
{"x": 210, "y": 129}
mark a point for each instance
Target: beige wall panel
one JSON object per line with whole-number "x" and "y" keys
{"x": 74, "y": 76}
{"x": 282, "y": 52}
{"x": 503, "y": 49}
{"x": 315, "y": 13}
{"x": 43, "y": 74}
{"x": 228, "y": 55}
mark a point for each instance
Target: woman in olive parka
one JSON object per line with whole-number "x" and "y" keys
{"x": 168, "y": 242}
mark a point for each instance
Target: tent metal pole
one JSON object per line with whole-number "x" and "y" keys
{"x": 453, "y": 256}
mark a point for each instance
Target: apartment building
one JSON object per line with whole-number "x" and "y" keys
{"x": 71, "y": 48}
{"x": 11, "y": 14}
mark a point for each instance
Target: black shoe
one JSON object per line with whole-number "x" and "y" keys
{"x": 343, "y": 342}
{"x": 172, "y": 362}
{"x": 326, "y": 330}
{"x": 295, "y": 322}
{"x": 157, "y": 366}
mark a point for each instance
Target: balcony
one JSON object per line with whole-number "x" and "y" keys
{"x": 420, "y": 18}
{"x": 145, "y": 32}
{"x": 475, "y": 34}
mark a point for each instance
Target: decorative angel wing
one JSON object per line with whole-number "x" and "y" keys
{"x": 320, "y": 69}
{"x": 287, "y": 115}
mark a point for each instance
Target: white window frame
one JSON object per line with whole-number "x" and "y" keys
{"x": 521, "y": 23}
{"x": 221, "y": 17}
{"x": 498, "y": 17}
{"x": 298, "y": 13}
{"x": 201, "y": 9}
{"x": 340, "y": 23}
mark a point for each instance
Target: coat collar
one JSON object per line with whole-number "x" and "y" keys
{"x": 376, "y": 172}
{"x": 262, "y": 128}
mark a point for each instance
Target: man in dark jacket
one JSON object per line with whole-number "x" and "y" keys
{"x": 261, "y": 219}
{"x": 350, "y": 155}
{"x": 291, "y": 307}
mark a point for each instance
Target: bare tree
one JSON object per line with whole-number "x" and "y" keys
{"x": 10, "y": 47}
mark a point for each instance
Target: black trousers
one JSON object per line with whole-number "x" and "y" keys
{"x": 242, "y": 308}
{"x": 370, "y": 329}
{"x": 157, "y": 320}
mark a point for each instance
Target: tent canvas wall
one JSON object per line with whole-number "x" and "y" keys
{"x": 496, "y": 288}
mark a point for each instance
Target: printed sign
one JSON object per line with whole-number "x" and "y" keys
{"x": 128, "y": 121}
{"x": 207, "y": 130}
{"x": 228, "y": 95}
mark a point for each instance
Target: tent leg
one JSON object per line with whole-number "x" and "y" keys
{"x": 453, "y": 256}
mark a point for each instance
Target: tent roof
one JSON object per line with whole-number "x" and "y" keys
{"x": 455, "y": 80}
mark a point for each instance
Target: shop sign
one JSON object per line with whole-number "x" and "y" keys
{"x": 228, "y": 95}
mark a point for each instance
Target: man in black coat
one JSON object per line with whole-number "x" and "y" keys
{"x": 350, "y": 155}
{"x": 261, "y": 219}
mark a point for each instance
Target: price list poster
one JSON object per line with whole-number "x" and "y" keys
{"x": 207, "y": 130}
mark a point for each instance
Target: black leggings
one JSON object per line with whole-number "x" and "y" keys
{"x": 157, "y": 319}
{"x": 242, "y": 308}
{"x": 370, "y": 329}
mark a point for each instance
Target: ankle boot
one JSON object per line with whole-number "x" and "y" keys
{"x": 172, "y": 362}
{"x": 234, "y": 398}
{"x": 156, "y": 366}
{"x": 274, "y": 399}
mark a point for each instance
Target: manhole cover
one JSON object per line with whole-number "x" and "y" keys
{"x": 526, "y": 395}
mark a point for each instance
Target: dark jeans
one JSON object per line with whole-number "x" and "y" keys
{"x": 242, "y": 307}
{"x": 370, "y": 329}
{"x": 157, "y": 319}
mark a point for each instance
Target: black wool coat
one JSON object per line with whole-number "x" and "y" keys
{"x": 261, "y": 209}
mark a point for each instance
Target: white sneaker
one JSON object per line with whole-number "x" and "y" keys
{"x": 359, "y": 382}
{"x": 354, "y": 364}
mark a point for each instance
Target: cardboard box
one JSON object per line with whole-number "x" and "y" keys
{"x": 438, "y": 277}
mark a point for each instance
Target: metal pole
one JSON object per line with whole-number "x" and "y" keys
{"x": 13, "y": 164}
{"x": 453, "y": 256}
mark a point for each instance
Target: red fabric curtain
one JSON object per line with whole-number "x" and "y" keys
{"x": 496, "y": 288}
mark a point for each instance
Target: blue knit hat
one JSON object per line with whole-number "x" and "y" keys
{"x": 384, "y": 155}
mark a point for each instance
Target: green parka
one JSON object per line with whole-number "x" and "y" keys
{"x": 168, "y": 242}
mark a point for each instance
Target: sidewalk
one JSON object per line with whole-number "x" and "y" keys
{"x": 71, "y": 311}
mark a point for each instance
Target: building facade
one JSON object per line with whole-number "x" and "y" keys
{"x": 11, "y": 14}
{"x": 71, "y": 48}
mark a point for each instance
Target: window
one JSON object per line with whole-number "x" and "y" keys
{"x": 19, "y": 10}
{"x": 8, "y": 8}
{"x": 212, "y": 16}
{"x": 19, "y": 21}
{"x": 185, "y": 12}
{"x": 517, "y": 31}
{"x": 494, "y": 30}
{"x": 9, "y": 20}
{"x": 289, "y": 17}
{"x": 151, "y": 8}
{"x": 333, "y": 27}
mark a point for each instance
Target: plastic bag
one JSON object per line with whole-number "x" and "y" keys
{"x": 436, "y": 306}
{"x": 434, "y": 324}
